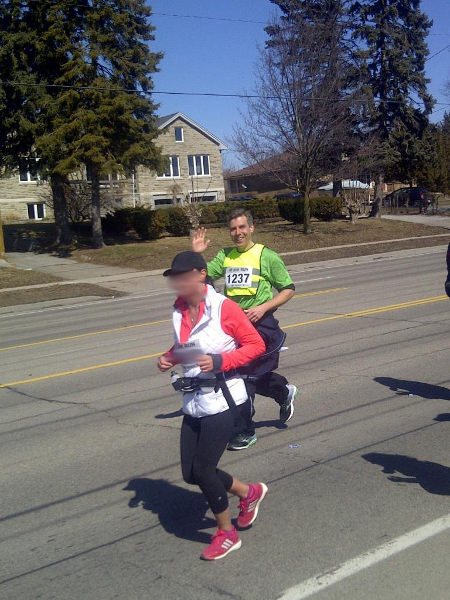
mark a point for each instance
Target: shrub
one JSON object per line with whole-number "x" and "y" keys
{"x": 119, "y": 222}
{"x": 291, "y": 209}
{"x": 326, "y": 208}
{"x": 177, "y": 221}
{"x": 209, "y": 214}
{"x": 149, "y": 224}
{"x": 260, "y": 209}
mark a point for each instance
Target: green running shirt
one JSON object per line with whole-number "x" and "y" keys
{"x": 273, "y": 272}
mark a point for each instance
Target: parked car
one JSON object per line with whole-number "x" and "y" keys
{"x": 239, "y": 198}
{"x": 296, "y": 195}
{"x": 417, "y": 196}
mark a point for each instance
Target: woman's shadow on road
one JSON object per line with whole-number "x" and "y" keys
{"x": 180, "y": 511}
{"x": 432, "y": 477}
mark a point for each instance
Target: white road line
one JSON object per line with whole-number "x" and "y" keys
{"x": 83, "y": 304}
{"x": 315, "y": 279}
{"x": 316, "y": 584}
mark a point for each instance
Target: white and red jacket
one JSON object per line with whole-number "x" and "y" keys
{"x": 222, "y": 328}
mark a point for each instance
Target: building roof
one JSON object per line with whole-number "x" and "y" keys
{"x": 163, "y": 122}
{"x": 264, "y": 167}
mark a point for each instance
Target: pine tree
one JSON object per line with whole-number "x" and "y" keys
{"x": 95, "y": 48}
{"x": 105, "y": 118}
{"x": 36, "y": 39}
{"x": 433, "y": 172}
{"x": 392, "y": 35}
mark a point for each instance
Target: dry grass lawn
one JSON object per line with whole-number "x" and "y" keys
{"x": 281, "y": 237}
{"x": 54, "y": 292}
{"x": 12, "y": 277}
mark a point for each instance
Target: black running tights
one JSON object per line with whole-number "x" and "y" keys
{"x": 203, "y": 441}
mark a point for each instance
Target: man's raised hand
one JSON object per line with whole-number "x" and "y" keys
{"x": 199, "y": 240}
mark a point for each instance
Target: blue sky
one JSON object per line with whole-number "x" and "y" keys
{"x": 215, "y": 56}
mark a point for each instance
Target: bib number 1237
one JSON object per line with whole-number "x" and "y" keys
{"x": 238, "y": 277}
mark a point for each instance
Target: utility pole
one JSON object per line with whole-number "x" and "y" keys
{"x": 2, "y": 239}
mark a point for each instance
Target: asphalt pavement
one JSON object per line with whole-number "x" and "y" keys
{"x": 92, "y": 504}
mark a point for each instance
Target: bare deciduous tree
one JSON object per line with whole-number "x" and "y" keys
{"x": 302, "y": 111}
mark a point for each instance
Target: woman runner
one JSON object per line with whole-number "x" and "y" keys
{"x": 213, "y": 337}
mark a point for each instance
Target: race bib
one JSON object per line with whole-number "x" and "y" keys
{"x": 238, "y": 277}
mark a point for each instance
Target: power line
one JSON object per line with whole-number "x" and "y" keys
{"x": 209, "y": 18}
{"x": 199, "y": 94}
{"x": 224, "y": 19}
{"x": 438, "y": 52}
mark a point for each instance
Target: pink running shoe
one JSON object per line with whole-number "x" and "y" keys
{"x": 222, "y": 543}
{"x": 250, "y": 506}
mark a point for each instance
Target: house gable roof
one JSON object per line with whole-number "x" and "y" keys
{"x": 164, "y": 122}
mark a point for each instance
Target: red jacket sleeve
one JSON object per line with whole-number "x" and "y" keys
{"x": 236, "y": 324}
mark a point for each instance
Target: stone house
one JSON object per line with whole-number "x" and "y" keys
{"x": 194, "y": 172}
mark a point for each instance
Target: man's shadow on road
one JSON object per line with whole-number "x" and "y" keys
{"x": 432, "y": 477}
{"x": 180, "y": 511}
{"x": 403, "y": 387}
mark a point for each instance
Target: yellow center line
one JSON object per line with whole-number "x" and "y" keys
{"x": 369, "y": 311}
{"x": 82, "y": 370}
{"x": 352, "y": 315}
{"x": 126, "y": 327}
{"x": 83, "y": 335}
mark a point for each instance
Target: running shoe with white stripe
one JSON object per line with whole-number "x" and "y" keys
{"x": 250, "y": 506}
{"x": 222, "y": 543}
{"x": 287, "y": 410}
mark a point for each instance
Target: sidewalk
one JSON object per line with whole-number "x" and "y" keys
{"x": 424, "y": 219}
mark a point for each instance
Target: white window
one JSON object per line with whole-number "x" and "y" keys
{"x": 179, "y": 134}
{"x": 28, "y": 171}
{"x": 198, "y": 164}
{"x": 36, "y": 211}
{"x": 173, "y": 167}
{"x": 162, "y": 200}
{"x": 205, "y": 198}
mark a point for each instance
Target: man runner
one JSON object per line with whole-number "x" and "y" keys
{"x": 251, "y": 272}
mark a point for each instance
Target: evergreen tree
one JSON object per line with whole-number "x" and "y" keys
{"x": 434, "y": 173}
{"x": 95, "y": 48}
{"x": 392, "y": 35}
{"x": 105, "y": 118}
{"x": 34, "y": 47}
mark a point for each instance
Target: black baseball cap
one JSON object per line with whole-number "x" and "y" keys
{"x": 185, "y": 262}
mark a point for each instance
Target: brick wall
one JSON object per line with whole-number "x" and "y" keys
{"x": 15, "y": 195}
{"x": 195, "y": 142}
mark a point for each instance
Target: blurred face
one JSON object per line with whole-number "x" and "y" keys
{"x": 188, "y": 285}
{"x": 241, "y": 232}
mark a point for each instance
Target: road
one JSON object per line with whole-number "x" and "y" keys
{"x": 92, "y": 504}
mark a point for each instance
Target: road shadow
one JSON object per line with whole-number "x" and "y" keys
{"x": 180, "y": 511}
{"x": 432, "y": 477}
{"x": 403, "y": 387}
{"x": 442, "y": 418}
{"x": 273, "y": 424}
{"x": 172, "y": 415}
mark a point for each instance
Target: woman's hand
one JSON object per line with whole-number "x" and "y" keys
{"x": 206, "y": 363}
{"x": 199, "y": 240}
{"x": 164, "y": 363}
{"x": 256, "y": 313}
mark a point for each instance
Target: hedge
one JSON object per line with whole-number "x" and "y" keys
{"x": 177, "y": 221}
{"x": 120, "y": 222}
{"x": 324, "y": 208}
{"x": 149, "y": 224}
{"x": 260, "y": 209}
